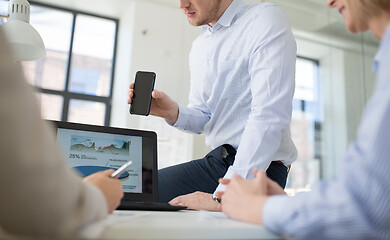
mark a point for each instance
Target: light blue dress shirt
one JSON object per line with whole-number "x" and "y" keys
{"x": 356, "y": 204}
{"x": 242, "y": 85}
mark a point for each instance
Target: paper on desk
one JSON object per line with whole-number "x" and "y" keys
{"x": 94, "y": 230}
{"x": 212, "y": 215}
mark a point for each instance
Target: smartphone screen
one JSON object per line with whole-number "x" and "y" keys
{"x": 142, "y": 98}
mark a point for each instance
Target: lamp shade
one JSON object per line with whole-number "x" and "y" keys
{"x": 25, "y": 41}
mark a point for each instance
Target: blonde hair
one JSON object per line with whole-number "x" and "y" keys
{"x": 363, "y": 9}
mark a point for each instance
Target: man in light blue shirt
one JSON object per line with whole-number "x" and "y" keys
{"x": 242, "y": 84}
{"x": 356, "y": 203}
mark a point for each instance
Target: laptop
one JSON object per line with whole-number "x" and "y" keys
{"x": 90, "y": 149}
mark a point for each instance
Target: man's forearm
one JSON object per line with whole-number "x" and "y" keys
{"x": 172, "y": 115}
{"x": 190, "y": 119}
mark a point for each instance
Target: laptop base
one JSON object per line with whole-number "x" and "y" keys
{"x": 149, "y": 206}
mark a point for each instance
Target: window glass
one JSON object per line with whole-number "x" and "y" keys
{"x": 79, "y": 64}
{"x": 87, "y": 112}
{"x": 55, "y": 28}
{"x": 51, "y": 106}
{"x": 306, "y": 72}
{"x": 306, "y": 126}
{"x": 92, "y": 56}
{"x": 3, "y": 10}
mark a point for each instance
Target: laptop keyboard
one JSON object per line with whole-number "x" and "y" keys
{"x": 151, "y": 206}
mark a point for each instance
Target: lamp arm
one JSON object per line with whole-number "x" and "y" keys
{"x": 4, "y": 16}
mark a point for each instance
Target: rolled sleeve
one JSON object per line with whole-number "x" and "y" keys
{"x": 190, "y": 119}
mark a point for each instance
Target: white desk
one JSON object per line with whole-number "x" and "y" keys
{"x": 181, "y": 225}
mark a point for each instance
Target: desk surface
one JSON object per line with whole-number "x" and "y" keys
{"x": 181, "y": 225}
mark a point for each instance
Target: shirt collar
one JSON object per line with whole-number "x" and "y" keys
{"x": 384, "y": 46}
{"x": 226, "y": 19}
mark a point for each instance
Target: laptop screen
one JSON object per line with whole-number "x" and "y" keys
{"x": 90, "y": 149}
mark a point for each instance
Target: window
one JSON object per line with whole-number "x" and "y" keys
{"x": 3, "y": 10}
{"x": 306, "y": 125}
{"x": 75, "y": 80}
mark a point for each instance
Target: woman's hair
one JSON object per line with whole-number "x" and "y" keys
{"x": 364, "y": 9}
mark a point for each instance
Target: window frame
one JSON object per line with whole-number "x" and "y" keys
{"x": 68, "y": 95}
{"x": 317, "y": 151}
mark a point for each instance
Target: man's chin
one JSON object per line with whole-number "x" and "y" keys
{"x": 196, "y": 23}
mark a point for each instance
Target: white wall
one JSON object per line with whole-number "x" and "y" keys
{"x": 155, "y": 37}
{"x": 347, "y": 82}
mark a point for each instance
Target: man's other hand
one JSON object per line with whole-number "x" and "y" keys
{"x": 196, "y": 201}
{"x": 244, "y": 199}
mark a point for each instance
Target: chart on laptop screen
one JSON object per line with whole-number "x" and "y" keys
{"x": 90, "y": 152}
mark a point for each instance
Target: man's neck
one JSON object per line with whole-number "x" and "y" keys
{"x": 224, "y": 5}
{"x": 378, "y": 25}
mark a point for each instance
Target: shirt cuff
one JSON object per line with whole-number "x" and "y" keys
{"x": 228, "y": 175}
{"x": 273, "y": 213}
{"x": 243, "y": 172}
{"x": 180, "y": 119}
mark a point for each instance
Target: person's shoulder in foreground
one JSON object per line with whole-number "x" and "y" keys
{"x": 354, "y": 205}
{"x": 40, "y": 196}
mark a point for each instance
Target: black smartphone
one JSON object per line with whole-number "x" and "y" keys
{"x": 143, "y": 88}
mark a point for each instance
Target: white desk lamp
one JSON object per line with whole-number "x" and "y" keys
{"x": 25, "y": 41}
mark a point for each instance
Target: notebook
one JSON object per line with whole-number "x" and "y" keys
{"x": 90, "y": 149}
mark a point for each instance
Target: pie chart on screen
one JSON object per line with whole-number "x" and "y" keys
{"x": 84, "y": 171}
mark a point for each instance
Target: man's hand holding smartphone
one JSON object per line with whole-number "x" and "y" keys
{"x": 161, "y": 104}
{"x": 142, "y": 93}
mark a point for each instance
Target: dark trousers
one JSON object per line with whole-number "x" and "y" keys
{"x": 203, "y": 174}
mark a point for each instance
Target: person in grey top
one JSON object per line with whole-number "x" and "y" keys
{"x": 41, "y": 197}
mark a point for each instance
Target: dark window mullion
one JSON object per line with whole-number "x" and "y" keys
{"x": 65, "y": 109}
{"x": 66, "y": 94}
{"x": 108, "y": 105}
{"x": 80, "y": 96}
